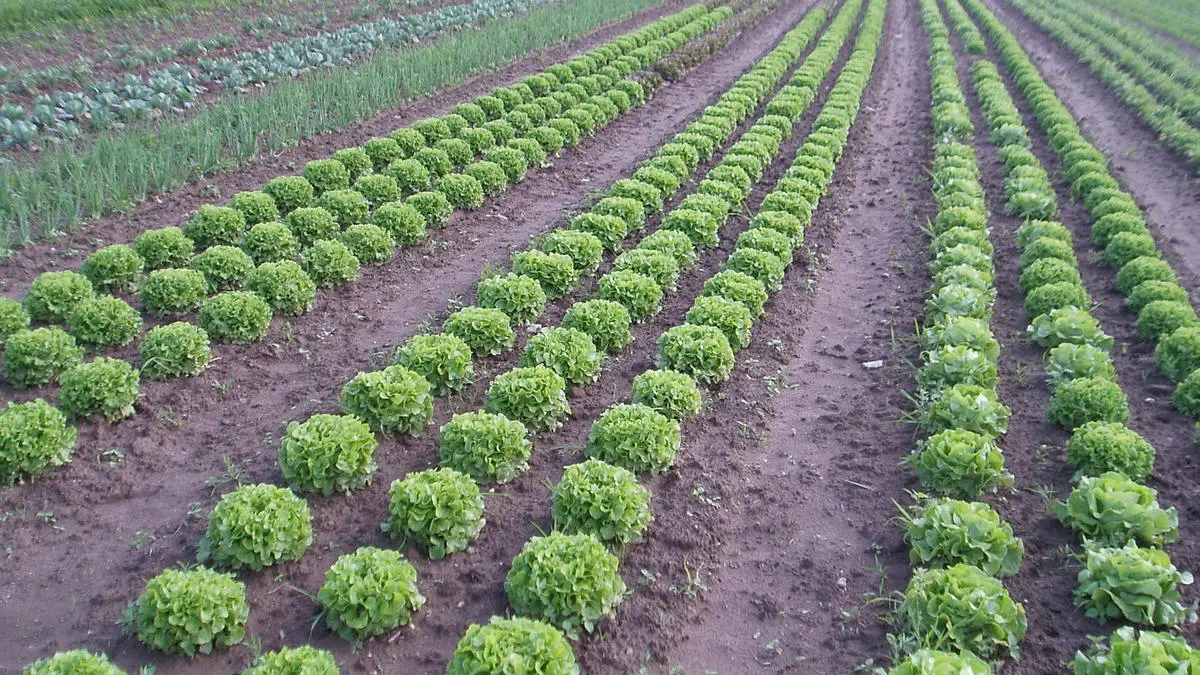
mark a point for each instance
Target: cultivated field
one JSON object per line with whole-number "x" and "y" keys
{"x": 599, "y": 336}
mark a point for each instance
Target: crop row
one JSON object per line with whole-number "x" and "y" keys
{"x": 956, "y": 614}
{"x": 1174, "y": 112}
{"x": 1149, "y": 283}
{"x": 107, "y": 104}
{"x": 329, "y": 453}
{"x": 279, "y": 284}
{"x": 1173, "y": 17}
{"x": 69, "y": 183}
{"x": 1125, "y": 575}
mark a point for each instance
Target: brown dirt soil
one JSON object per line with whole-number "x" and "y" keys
{"x": 147, "y": 512}
{"x": 177, "y": 206}
{"x": 1164, "y": 184}
{"x": 802, "y": 553}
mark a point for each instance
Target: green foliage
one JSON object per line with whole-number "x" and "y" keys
{"x": 1163, "y": 317}
{"x": 962, "y": 608}
{"x": 602, "y": 500}
{"x": 958, "y": 462}
{"x": 554, "y": 272}
{"x": 1186, "y": 398}
{"x": 1088, "y": 399}
{"x": 326, "y": 174}
{"x": 672, "y": 242}
{"x": 947, "y": 366}
{"x": 459, "y": 151}
{"x": 36, "y": 357}
{"x": 486, "y": 331}
{"x": 12, "y": 318}
{"x": 237, "y": 317}
{"x": 513, "y": 161}
{"x": 933, "y": 662}
{"x": 284, "y": 285}
{"x": 54, "y": 295}
{"x": 701, "y": 351}
{"x": 740, "y": 287}
{"x": 213, "y": 226}
{"x": 765, "y": 267}
{"x": 105, "y": 386}
{"x": 731, "y": 317}
{"x": 173, "y": 291}
{"x": 944, "y": 532}
{"x": 411, "y": 176}
{"x": 1133, "y": 584}
{"x": 223, "y": 267}
{"x": 629, "y": 210}
{"x": 1147, "y": 292}
{"x": 356, "y": 161}
{"x": 328, "y": 454}
{"x": 189, "y": 611}
{"x": 174, "y": 350}
{"x": 519, "y": 297}
{"x": 378, "y": 189}
{"x": 371, "y": 244}
{"x": 1125, "y": 246}
{"x": 1049, "y": 271}
{"x": 302, "y": 660}
{"x": 610, "y": 230}
{"x": 34, "y": 436}
{"x": 312, "y": 224}
{"x": 393, "y": 400}
{"x": 639, "y": 294}
{"x": 74, "y": 662}
{"x": 1141, "y": 270}
{"x": 1070, "y": 361}
{"x": 441, "y": 509}
{"x": 1044, "y": 299}
{"x": 255, "y": 207}
{"x": 585, "y": 250}
{"x": 661, "y": 267}
{"x": 535, "y": 154}
{"x": 965, "y": 406}
{"x": 568, "y": 352}
{"x": 485, "y": 446}
{"x": 1178, "y": 354}
{"x": 409, "y": 140}
{"x": 490, "y": 175}
{"x": 104, "y": 321}
{"x": 635, "y": 437}
{"x": 348, "y": 207}
{"x": 1111, "y": 509}
{"x": 329, "y": 263}
{"x": 650, "y": 197}
{"x": 512, "y": 647}
{"x": 607, "y": 323}
{"x": 443, "y": 360}
{"x": 536, "y": 396}
{"x": 289, "y": 193}
{"x": 1099, "y": 447}
{"x": 382, "y": 151}
{"x": 462, "y": 190}
{"x": 1068, "y": 325}
{"x": 769, "y": 241}
{"x": 568, "y": 580}
{"x": 402, "y": 221}
{"x": 256, "y": 526}
{"x": 1129, "y": 650}
{"x": 368, "y": 593}
{"x": 113, "y": 269}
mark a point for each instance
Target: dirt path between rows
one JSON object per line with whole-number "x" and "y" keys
{"x": 809, "y": 536}
{"x": 1164, "y": 184}
{"x": 126, "y": 523}
{"x": 178, "y": 205}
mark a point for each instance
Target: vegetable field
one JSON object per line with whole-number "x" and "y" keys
{"x": 599, "y": 336}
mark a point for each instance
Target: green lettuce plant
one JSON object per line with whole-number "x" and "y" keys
{"x": 585, "y": 250}
{"x": 328, "y": 454}
{"x": 536, "y": 396}
{"x": 289, "y": 193}
{"x": 486, "y": 331}
{"x": 610, "y": 230}
{"x": 555, "y": 272}
{"x": 732, "y": 318}
{"x": 74, "y": 662}
{"x": 311, "y": 224}
{"x": 567, "y": 580}
{"x": 1129, "y": 650}
{"x": 1088, "y": 399}
{"x": 441, "y": 509}
{"x": 238, "y": 317}
{"x": 950, "y": 365}
{"x": 485, "y": 446}
{"x": 216, "y": 225}
{"x": 1131, "y": 583}
{"x": 173, "y": 291}
{"x": 519, "y": 297}
{"x": 607, "y": 323}
{"x": 326, "y": 174}
{"x": 402, "y": 221}
{"x": 700, "y": 351}
{"x": 639, "y": 294}
{"x": 113, "y": 269}
{"x": 34, "y": 436}
{"x": 223, "y": 267}
{"x": 105, "y": 386}
{"x": 256, "y": 526}
{"x": 443, "y": 360}
{"x": 1111, "y": 509}
{"x": 634, "y": 437}
{"x": 369, "y": 593}
{"x": 738, "y": 286}
{"x": 668, "y": 392}
{"x": 189, "y": 612}
{"x": 371, "y": 244}
{"x": 163, "y": 248}
{"x": 302, "y": 660}
{"x": 177, "y": 349}
{"x": 568, "y": 352}
{"x": 284, "y": 285}
{"x": 104, "y": 321}
{"x": 462, "y": 190}
{"x": 959, "y": 462}
{"x": 963, "y": 608}
{"x": 392, "y": 401}
{"x": 943, "y": 532}
{"x": 1178, "y": 353}
{"x": 329, "y": 263}
{"x": 255, "y": 207}
{"x": 1069, "y": 361}
{"x": 54, "y": 295}
{"x": 36, "y": 357}
{"x": 934, "y": 662}
{"x": 602, "y": 500}
{"x": 965, "y": 406}
{"x": 672, "y": 242}
{"x": 512, "y": 646}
